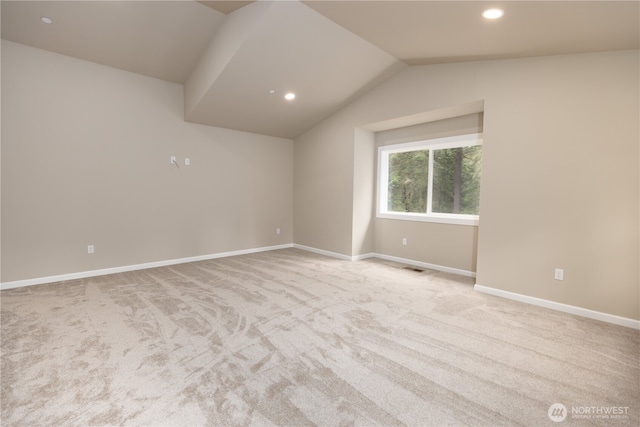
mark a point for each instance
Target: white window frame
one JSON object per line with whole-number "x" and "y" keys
{"x": 467, "y": 140}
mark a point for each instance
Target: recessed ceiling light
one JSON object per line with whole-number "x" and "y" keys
{"x": 46, "y": 20}
{"x": 289, "y": 96}
{"x": 493, "y": 13}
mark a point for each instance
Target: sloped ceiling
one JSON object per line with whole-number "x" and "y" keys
{"x": 285, "y": 47}
{"x": 162, "y": 39}
{"x": 230, "y": 54}
{"x": 431, "y": 32}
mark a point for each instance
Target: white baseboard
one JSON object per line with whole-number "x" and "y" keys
{"x": 323, "y": 252}
{"x": 389, "y": 258}
{"x": 363, "y": 256}
{"x": 427, "y": 265}
{"x": 102, "y": 272}
{"x": 579, "y": 311}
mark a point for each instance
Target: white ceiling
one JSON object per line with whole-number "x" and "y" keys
{"x": 428, "y": 32}
{"x": 229, "y": 54}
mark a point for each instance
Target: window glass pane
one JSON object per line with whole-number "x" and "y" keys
{"x": 456, "y": 180}
{"x": 408, "y": 174}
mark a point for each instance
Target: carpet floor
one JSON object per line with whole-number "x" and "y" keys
{"x": 292, "y": 338}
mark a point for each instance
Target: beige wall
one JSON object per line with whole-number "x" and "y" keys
{"x": 364, "y": 197}
{"x": 85, "y": 160}
{"x": 323, "y": 187}
{"x": 444, "y": 245}
{"x": 572, "y": 202}
{"x": 447, "y": 245}
{"x": 560, "y": 171}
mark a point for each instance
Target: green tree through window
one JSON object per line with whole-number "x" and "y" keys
{"x": 408, "y": 181}
{"x": 456, "y": 180}
{"x": 437, "y": 178}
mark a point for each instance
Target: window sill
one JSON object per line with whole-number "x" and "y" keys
{"x": 439, "y": 218}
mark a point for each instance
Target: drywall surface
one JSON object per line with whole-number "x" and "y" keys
{"x": 323, "y": 185}
{"x": 560, "y": 180}
{"x": 560, "y": 170}
{"x": 86, "y": 161}
{"x": 235, "y": 29}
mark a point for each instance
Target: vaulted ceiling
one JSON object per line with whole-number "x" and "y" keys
{"x": 237, "y": 59}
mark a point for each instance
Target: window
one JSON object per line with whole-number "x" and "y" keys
{"x": 434, "y": 180}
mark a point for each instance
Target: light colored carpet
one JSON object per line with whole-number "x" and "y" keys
{"x": 294, "y": 338}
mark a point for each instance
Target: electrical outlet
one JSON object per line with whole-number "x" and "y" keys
{"x": 187, "y": 162}
{"x": 404, "y": 241}
{"x": 91, "y": 249}
{"x": 277, "y": 231}
{"x": 559, "y": 274}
